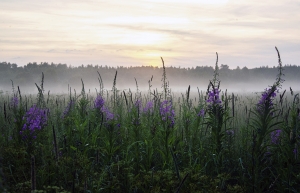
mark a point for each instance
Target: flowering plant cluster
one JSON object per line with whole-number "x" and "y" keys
{"x": 68, "y": 108}
{"x": 109, "y": 115}
{"x": 213, "y": 97}
{"x": 167, "y": 112}
{"x": 275, "y": 136}
{"x": 266, "y": 100}
{"x": 201, "y": 113}
{"x": 148, "y": 107}
{"x": 138, "y": 105}
{"x": 230, "y": 132}
{"x": 14, "y": 102}
{"x": 99, "y": 104}
{"x": 36, "y": 119}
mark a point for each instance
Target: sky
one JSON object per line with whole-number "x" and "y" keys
{"x": 186, "y": 33}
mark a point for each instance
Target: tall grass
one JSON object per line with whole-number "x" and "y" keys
{"x": 157, "y": 141}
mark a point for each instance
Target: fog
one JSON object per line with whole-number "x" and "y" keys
{"x": 130, "y": 85}
{"x": 60, "y": 79}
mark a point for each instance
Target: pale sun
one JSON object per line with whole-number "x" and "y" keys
{"x": 141, "y": 38}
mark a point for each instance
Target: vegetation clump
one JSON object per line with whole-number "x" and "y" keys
{"x": 121, "y": 141}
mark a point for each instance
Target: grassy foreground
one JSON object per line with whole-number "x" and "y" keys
{"x": 157, "y": 141}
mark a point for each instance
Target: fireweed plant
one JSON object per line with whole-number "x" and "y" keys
{"x": 264, "y": 134}
{"x": 111, "y": 120}
{"x": 68, "y": 109}
{"x": 35, "y": 119}
{"x": 167, "y": 120}
{"x": 133, "y": 127}
{"x": 17, "y": 110}
{"x": 123, "y": 141}
{"x": 216, "y": 118}
{"x": 285, "y": 153}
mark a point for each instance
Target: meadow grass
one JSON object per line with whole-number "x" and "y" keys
{"x": 154, "y": 141}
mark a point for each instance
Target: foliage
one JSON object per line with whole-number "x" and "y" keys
{"x": 157, "y": 141}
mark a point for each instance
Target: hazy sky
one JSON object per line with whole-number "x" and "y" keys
{"x": 185, "y": 33}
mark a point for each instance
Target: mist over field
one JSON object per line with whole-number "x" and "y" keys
{"x": 149, "y": 96}
{"x": 59, "y": 78}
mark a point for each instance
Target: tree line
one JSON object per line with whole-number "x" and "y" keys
{"x": 59, "y": 77}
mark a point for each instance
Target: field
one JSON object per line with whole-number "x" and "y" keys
{"x": 155, "y": 141}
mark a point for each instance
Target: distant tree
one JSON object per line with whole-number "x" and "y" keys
{"x": 61, "y": 74}
{"x": 31, "y": 65}
{"x": 245, "y": 68}
{"x": 14, "y": 66}
{"x": 44, "y": 65}
{"x": 224, "y": 67}
{"x": 61, "y": 66}
{"x": 5, "y": 66}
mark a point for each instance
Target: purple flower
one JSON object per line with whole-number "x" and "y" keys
{"x": 36, "y": 119}
{"x": 201, "y": 113}
{"x": 213, "y": 97}
{"x": 138, "y": 104}
{"x": 230, "y": 132}
{"x": 295, "y": 151}
{"x": 266, "y": 99}
{"x": 68, "y": 108}
{"x": 109, "y": 116}
{"x": 148, "y": 107}
{"x": 167, "y": 112}
{"x": 99, "y": 102}
{"x": 275, "y": 136}
{"x": 14, "y": 101}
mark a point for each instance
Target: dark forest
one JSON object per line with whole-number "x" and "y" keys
{"x": 58, "y": 77}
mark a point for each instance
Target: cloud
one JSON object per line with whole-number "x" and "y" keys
{"x": 187, "y": 33}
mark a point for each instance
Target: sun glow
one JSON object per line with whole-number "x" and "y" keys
{"x": 140, "y": 38}
{"x": 152, "y": 57}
